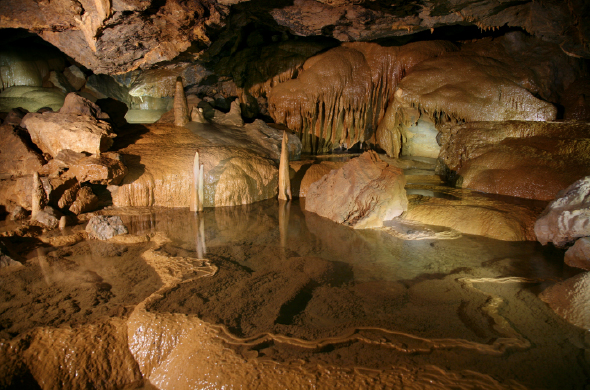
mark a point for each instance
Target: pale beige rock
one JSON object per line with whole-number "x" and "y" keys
{"x": 233, "y": 175}
{"x": 53, "y": 132}
{"x": 99, "y": 170}
{"x": 79, "y": 105}
{"x": 60, "y": 82}
{"x": 570, "y": 298}
{"x": 578, "y": 256}
{"x": 567, "y": 217}
{"x": 284, "y": 180}
{"x": 48, "y": 217}
{"x": 362, "y": 194}
{"x": 68, "y": 197}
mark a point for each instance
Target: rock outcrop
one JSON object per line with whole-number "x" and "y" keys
{"x": 99, "y": 170}
{"x": 53, "y": 132}
{"x": 567, "y": 218}
{"x": 578, "y": 255}
{"x": 18, "y": 156}
{"x": 533, "y": 160}
{"x": 362, "y": 194}
{"x": 305, "y": 173}
{"x": 570, "y": 298}
{"x": 102, "y": 227}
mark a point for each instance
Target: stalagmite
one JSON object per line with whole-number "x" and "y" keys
{"x": 62, "y": 222}
{"x": 200, "y": 189}
{"x": 37, "y": 196}
{"x": 197, "y": 115}
{"x": 181, "y": 114}
{"x": 194, "y": 201}
{"x": 284, "y": 182}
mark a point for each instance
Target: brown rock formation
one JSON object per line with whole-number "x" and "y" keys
{"x": 341, "y": 96}
{"x": 99, "y": 170}
{"x": 181, "y": 113}
{"x": 533, "y": 160}
{"x": 362, "y": 194}
{"x": 307, "y": 172}
{"x": 85, "y": 201}
{"x": 17, "y": 156}
{"x": 578, "y": 256}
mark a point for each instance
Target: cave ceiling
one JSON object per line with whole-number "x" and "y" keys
{"x": 119, "y": 36}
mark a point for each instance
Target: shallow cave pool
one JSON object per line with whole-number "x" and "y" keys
{"x": 269, "y": 296}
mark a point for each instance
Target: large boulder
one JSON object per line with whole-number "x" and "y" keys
{"x": 78, "y": 105}
{"x": 533, "y": 160}
{"x": 53, "y": 132}
{"x": 85, "y": 201}
{"x": 305, "y": 173}
{"x": 567, "y": 218}
{"x": 162, "y": 176}
{"x": 362, "y": 194}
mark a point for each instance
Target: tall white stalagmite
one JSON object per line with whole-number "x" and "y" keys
{"x": 194, "y": 201}
{"x": 284, "y": 181}
{"x": 200, "y": 188}
{"x": 37, "y": 196}
{"x": 181, "y": 114}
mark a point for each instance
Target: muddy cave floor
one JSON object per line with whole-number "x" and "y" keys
{"x": 288, "y": 299}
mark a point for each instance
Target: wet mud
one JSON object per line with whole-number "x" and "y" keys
{"x": 268, "y": 296}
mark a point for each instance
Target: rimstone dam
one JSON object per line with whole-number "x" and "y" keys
{"x": 294, "y": 194}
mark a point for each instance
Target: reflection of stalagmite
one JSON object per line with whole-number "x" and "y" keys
{"x": 284, "y": 182}
{"x": 37, "y": 196}
{"x": 200, "y": 190}
{"x": 199, "y": 229}
{"x": 284, "y": 210}
{"x": 197, "y": 191}
{"x": 181, "y": 114}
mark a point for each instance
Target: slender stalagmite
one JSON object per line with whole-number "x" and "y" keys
{"x": 284, "y": 182}
{"x": 181, "y": 114}
{"x": 194, "y": 203}
{"x": 37, "y": 195}
{"x": 63, "y": 222}
{"x": 200, "y": 190}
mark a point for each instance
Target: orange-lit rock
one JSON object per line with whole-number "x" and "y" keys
{"x": 304, "y": 173}
{"x": 362, "y": 194}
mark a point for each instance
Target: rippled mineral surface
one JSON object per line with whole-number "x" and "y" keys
{"x": 268, "y": 296}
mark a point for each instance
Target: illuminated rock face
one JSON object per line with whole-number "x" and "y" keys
{"x": 533, "y": 160}
{"x": 340, "y": 96}
{"x": 568, "y": 217}
{"x": 362, "y": 194}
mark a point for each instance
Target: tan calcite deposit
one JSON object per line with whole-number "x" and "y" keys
{"x": 341, "y": 95}
{"x": 472, "y": 213}
{"x": 533, "y": 160}
{"x": 99, "y": 170}
{"x": 362, "y": 194}
{"x": 53, "y": 132}
{"x": 161, "y": 166}
{"x": 570, "y": 299}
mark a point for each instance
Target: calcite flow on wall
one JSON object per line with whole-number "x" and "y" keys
{"x": 340, "y": 96}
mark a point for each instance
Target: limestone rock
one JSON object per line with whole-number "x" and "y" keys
{"x": 533, "y": 160}
{"x": 567, "y": 217}
{"x": 85, "y": 201}
{"x": 305, "y": 173}
{"x": 69, "y": 196}
{"x": 17, "y": 154}
{"x": 78, "y": 105}
{"x": 232, "y": 118}
{"x": 53, "y": 132}
{"x": 270, "y": 139}
{"x": 19, "y": 214}
{"x": 115, "y": 110}
{"x": 98, "y": 170}
{"x": 578, "y": 256}
{"x": 105, "y": 227}
{"x": 233, "y": 174}
{"x": 75, "y": 77}
{"x": 570, "y": 298}
{"x": 48, "y": 217}
{"x": 362, "y": 194}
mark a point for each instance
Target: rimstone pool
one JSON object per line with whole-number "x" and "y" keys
{"x": 269, "y": 296}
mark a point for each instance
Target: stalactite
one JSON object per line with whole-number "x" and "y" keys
{"x": 181, "y": 114}
{"x": 284, "y": 181}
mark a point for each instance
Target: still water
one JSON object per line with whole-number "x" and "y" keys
{"x": 339, "y": 307}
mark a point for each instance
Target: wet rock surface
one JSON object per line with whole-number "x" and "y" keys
{"x": 362, "y": 193}
{"x": 103, "y": 228}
